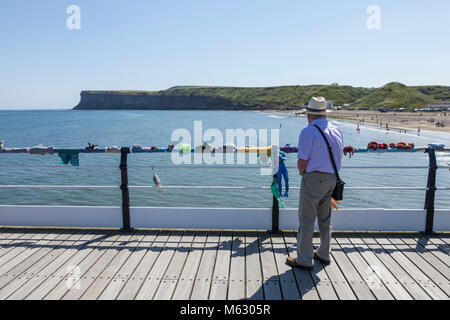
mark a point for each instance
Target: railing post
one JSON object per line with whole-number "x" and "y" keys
{"x": 431, "y": 191}
{"x": 275, "y": 206}
{"x": 124, "y": 151}
{"x": 275, "y": 215}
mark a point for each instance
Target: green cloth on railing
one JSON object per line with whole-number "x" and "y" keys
{"x": 276, "y": 193}
{"x": 184, "y": 148}
{"x": 67, "y": 156}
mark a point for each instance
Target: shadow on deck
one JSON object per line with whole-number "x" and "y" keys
{"x": 176, "y": 264}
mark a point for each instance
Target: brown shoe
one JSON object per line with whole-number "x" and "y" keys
{"x": 325, "y": 262}
{"x": 291, "y": 261}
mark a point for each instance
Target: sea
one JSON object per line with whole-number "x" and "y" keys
{"x": 75, "y": 129}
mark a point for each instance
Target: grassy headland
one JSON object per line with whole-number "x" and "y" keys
{"x": 392, "y": 95}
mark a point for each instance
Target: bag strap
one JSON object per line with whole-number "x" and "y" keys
{"x": 329, "y": 151}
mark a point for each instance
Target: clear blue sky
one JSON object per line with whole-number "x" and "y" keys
{"x": 153, "y": 45}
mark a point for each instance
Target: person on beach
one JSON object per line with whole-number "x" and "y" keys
{"x": 318, "y": 182}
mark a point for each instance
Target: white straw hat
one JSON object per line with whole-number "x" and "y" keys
{"x": 317, "y": 106}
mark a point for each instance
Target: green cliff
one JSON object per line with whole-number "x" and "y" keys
{"x": 392, "y": 95}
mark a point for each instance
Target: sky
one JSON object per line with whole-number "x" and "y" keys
{"x": 153, "y": 45}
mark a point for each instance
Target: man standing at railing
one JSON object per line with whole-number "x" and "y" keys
{"x": 318, "y": 182}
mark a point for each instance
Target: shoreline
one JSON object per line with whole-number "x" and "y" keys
{"x": 410, "y": 121}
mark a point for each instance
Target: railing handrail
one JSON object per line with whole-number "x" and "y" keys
{"x": 31, "y": 186}
{"x": 124, "y": 151}
{"x": 207, "y": 166}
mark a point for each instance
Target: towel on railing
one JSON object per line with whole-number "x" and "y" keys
{"x": 67, "y": 156}
{"x": 276, "y": 193}
{"x": 40, "y": 149}
{"x": 282, "y": 173}
{"x": 113, "y": 149}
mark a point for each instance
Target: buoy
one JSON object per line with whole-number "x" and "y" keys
{"x": 372, "y": 145}
{"x": 350, "y": 150}
{"x": 401, "y": 145}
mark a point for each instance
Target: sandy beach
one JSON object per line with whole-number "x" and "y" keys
{"x": 397, "y": 120}
{"x": 410, "y": 121}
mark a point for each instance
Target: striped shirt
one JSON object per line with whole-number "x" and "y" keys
{"x": 313, "y": 148}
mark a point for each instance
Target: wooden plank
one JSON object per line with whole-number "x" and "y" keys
{"x": 418, "y": 275}
{"x": 94, "y": 270}
{"x": 19, "y": 262}
{"x": 21, "y": 244}
{"x": 173, "y": 273}
{"x": 7, "y": 237}
{"x": 322, "y": 282}
{"x": 286, "y": 275}
{"x": 219, "y": 284}
{"x": 66, "y": 270}
{"x": 204, "y": 275}
{"x": 430, "y": 246}
{"x": 378, "y": 268}
{"x": 429, "y": 252}
{"x": 20, "y": 274}
{"x": 444, "y": 237}
{"x": 49, "y": 271}
{"x": 118, "y": 282}
{"x": 5, "y": 233}
{"x": 187, "y": 279}
{"x": 253, "y": 271}
{"x": 105, "y": 277}
{"x": 271, "y": 284}
{"x": 375, "y": 284}
{"x": 337, "y": 279}
{"x": 353, "y": 278}
{"x": 144, "y": 267}
{"x": 305, "y": 282}
{"x": 236, "y": 286}
{"x": 320, "y": 279}
{"x": 436, "y": 283}
{"x": 72, "y": 275}
{"x": 151, "y": 283}
{"x": 441, "y": 244}
{"x": 382, "y": 248}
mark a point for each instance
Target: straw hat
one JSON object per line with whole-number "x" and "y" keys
{"x": 317, "y": 106}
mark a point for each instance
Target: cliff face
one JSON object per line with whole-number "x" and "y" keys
{"x": 107, "y": 100}
{"x": 392, "y": 95}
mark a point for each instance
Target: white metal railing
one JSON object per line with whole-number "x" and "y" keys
{"x": 30, "y": 186}
{"x": 201, "y": 166}
{"x": 429, "y": 202}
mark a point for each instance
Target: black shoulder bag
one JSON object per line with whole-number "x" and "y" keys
{"x": 338, "y": 192}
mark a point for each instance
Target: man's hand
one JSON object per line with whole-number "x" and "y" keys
{"x": 301, "y": 165}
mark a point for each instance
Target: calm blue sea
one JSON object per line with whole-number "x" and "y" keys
{"x": 74, "y": 129}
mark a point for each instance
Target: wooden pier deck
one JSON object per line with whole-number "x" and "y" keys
{"x": 164, "y": 264}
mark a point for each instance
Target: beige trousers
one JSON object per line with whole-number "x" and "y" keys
{"x": 315, "y": 195}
